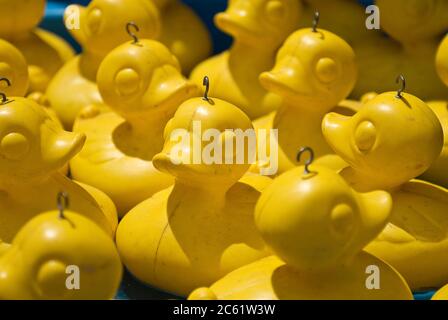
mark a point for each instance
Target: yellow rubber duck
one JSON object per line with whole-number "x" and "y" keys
{"x": 44, "y": 51}
{"x": 441, "y": 294}
{"x": 259, "y": 27}
{"x": 143, "y": 84}
{"x": 33, "y": 149}
{"x": 317, "y": 227}
{"x": 60, "y": 255}
{"x": 195, "y": 232}
{"x": 104, "y": 25}
{"x": 183, "y": 33}
{"x": 393, "y": 139}
{"x": 438, "y": 172}
{"x": 315, "y": 70}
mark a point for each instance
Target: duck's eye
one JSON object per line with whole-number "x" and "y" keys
{"x": 14, "y": 146}
{"x": 365, "y": 136}
{"x": 275, "y": 10}
{"x": 342, "y": 219}
{"x": 327, "y": 70}
{"x": 127, "y": 82}
{"x": 51, "y": 279}
{"x": 94, "y": 20}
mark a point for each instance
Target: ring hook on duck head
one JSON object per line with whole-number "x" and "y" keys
{"x": 206, "y": 84}
{"x": 316, "y": 20}
{"x": 4, "y": 97}
{"x": 401, "y": 79}
{"x": 310, "y": 159}
{"x": 130, "y": 25}
{"x": 63, "y": 203}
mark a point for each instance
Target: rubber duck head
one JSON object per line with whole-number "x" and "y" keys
{"x": 412, "y": 21}
{"x": 313, "y": 68}
{"x": 14, "y": 71}
{"x": 141, "y": 77}
{"x": 32, "y": 144}
{"x": 102, "y": 24}
{"x": 199, "y": 125}
{"x": 51, "y": 249}
{"x": 20, "y": 16}
{"x": 312, "y": 219}
{"x": 260, "y": 22}
{"x": 394, "y": 137}
{"x": 442, "y": 60}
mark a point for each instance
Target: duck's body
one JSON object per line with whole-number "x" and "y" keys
{"x": 271, "y": 279}
{"x": 316, "y": 226}
{"x": 44, "y": 51}
{"x": 184, "y": 33}
{"x": 177, "y": 241}
{"x": 261, "y": 27}
{"x": 103, "y": 26}
{"x": 438, "y": 173}
{"x": 60, "y": 255}
{"x": 415, "y": 241}
{"x": 128, "y": 180}
{"x": 192, "y": 234}
{"x": 120, "y": 146}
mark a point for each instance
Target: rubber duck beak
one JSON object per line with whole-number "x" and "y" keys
{"x": 335, "y": 128}
{"x": 236, "y": 22}
{"x": 376, "y": 208}
{"x": 69, "y": 14}
{"x": 59, "y": 146}
{"x": 169, "y": 88}
{"x": 284, "y": 80}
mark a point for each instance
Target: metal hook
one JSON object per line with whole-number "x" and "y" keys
{"x": 206, "y": 83}
{"x": 63, "y": 203}
{"x": 310, "y": 159}
{"x": 316, "y": 20}
{"x": 132, "y": 34}
{"x": 4, "y": 98}
{"x": 403, "y": 85}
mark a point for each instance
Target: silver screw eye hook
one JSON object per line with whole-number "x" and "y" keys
{"x": 131, "y": 33}
{"x": 206, "y": 84}
{"x": 316, "y": 20}
{"x": 4, "y": 97}
{"x": 63, "y": 203}
{"x": 401, "y": 79}
{"x": 309, "y": 161}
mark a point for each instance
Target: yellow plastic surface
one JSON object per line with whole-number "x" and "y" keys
{"x": 35, "y": 265}
{"x": 195, "y": 232}
{"x": 33, "y": 149}
{"x": 183, "y": 33}
{"x": 317, "y": 226}
{"x": 260, "y": 27}
{"x": 102, "y": 28}
{"x": 142, "y": 83}
{"x": 390, "y": 141}
{"x": 44, "y": 51}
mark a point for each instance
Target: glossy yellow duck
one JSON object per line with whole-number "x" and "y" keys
{"x": 317, "y": 227}
{"x": 259, "y": 27}
{"x": 44, "y": 51}
{"x": 53, "y": 247}
{"x": 315, "y": 70}
{"x": 104, "y": 25}
{"x": 441, "y": 294}
{"x": 438, "y": 172}
{"x": 13, "y": 67}
{"x": 183, "y": 33}
{"x": 33, "y": 149}
{"x": 143, "y": 84}
{"x": 394, "y": 138}
{"x": 195, "y": 232}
